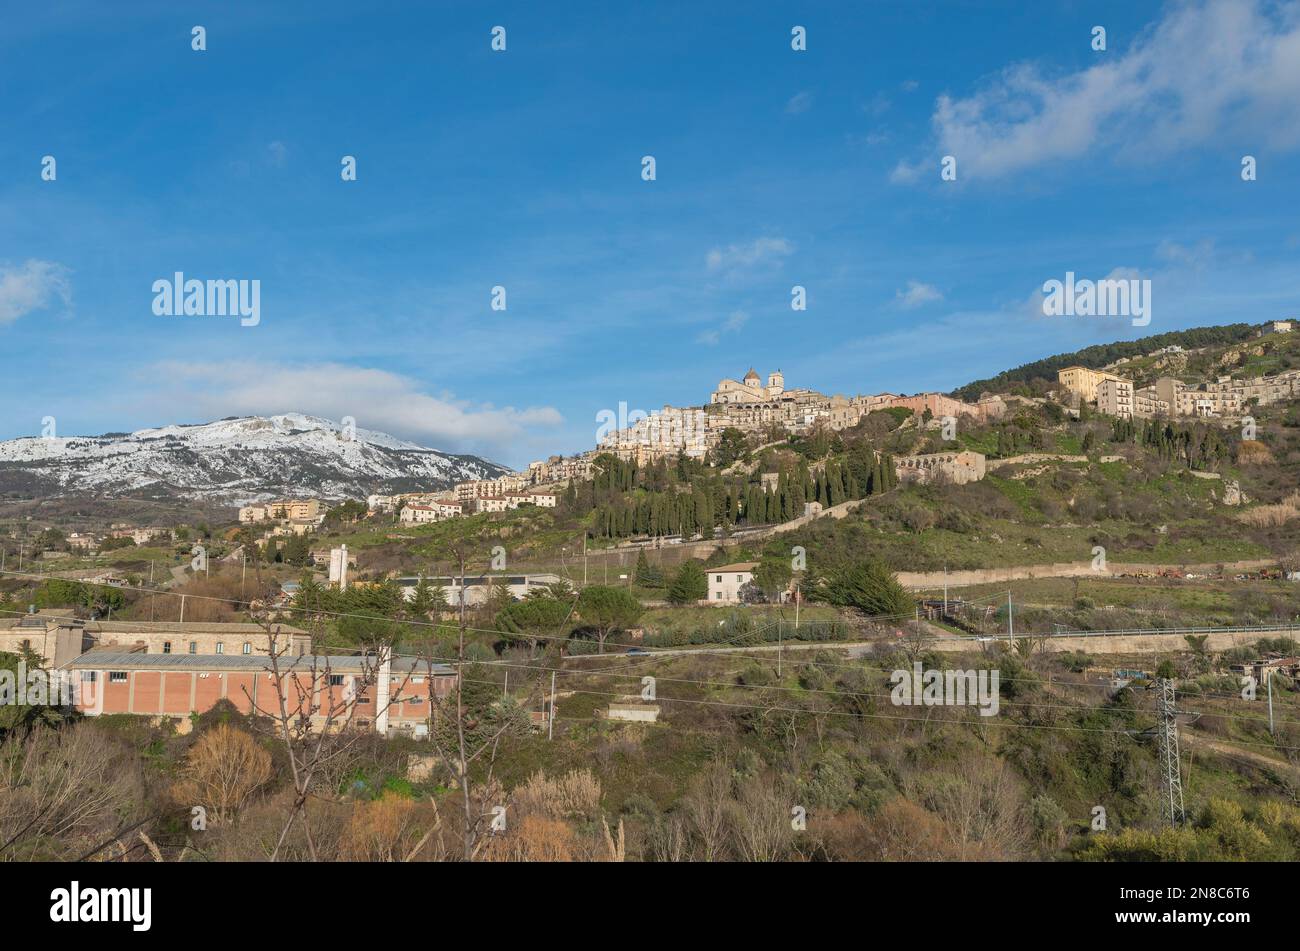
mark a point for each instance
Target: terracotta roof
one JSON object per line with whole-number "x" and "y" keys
{"x": 738, "y": 566}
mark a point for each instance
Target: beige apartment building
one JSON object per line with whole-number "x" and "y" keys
{"x": 1115, "y": 397}
{"x": 560, "y": 469}
{"x": 287, "y": 509}
{"x": 1148, "y": 404}
{"x": 1084, "y": 382}
{"x": 479, "y": 488}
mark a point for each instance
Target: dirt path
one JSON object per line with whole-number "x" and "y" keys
{"x": 1249, "y": 756}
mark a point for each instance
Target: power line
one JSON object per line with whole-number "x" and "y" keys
{"x": 842, "y": 693}
{"x": 652, "y": 651}
{"x": 878, "y": 716}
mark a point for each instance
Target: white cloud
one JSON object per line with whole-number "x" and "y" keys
{"x": 33, "y": 286}
{"x": 917, "y": 294}
{"x": 734, "y": 322}
{"x": 756, "y": 252}
{"x": 905, "y": 172}
{"x": 878, "y": 105}
{"x": 1197, "y": 257}
{"x": 799, "y": 103}
{"x": 377, "y": 399}
{"x": 1209, "y": 72}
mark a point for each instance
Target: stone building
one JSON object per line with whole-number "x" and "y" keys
{"x": 956, "y": 468}
{"x": 57, "y": 640}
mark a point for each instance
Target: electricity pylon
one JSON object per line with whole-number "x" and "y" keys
{"x": 1171, "y": 779}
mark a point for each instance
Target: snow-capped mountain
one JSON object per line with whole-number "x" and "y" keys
{"x": 235, "y": 461}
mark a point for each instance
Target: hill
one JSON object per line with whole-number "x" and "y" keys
{"x": 234, "y": 461}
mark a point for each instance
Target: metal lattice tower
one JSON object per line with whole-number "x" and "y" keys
{"x": 1171, "y": 779}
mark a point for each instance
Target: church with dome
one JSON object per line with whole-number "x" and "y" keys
{"x": 750, "y": 389}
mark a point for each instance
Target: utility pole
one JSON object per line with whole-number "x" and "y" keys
{"x": 550, "y": 725}
{"x": 1171, "y": 778}
{"x": 462, "y": 591}
{"x": 945, "y": 590}
{"x": 780, "y": 644}
{"x": 1011, "y": 624}
{"x": 182, "y": 609}
{"x": 1269, "y": 674}
{"x": 584, "y": 558}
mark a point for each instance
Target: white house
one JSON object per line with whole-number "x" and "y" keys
{"x": 419, "y": 514}
{"x": 725, "y": 582}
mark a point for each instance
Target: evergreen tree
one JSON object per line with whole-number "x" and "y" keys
{"x": 689, "y": 585}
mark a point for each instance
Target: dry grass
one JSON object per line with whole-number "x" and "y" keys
{"x": 1271, "y": 516}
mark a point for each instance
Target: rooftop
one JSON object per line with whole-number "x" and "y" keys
{"x": 343, "y": 664}
{"x": 142, "y": 627}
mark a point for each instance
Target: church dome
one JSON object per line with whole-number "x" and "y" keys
{"x": 751, "y": 375}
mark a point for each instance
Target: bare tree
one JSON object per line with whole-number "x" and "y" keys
{"x": 760, "y": 820}
{"x": 464, "y": 737}
{"x": 65, "y": 793}
{"x": 223, "y": 769}
{"x": 313, "y": 722}
{"x": 705, "y": 810}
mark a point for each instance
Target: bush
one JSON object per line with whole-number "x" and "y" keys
{"x": 755, "y": 675}
{"x": 1075, "y": 661}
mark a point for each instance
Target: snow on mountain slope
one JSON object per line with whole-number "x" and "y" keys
{"x": 247, "y": 459}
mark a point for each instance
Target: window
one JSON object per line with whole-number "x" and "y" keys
{"x": 89, "y": 676}
{"x": 717, "y": 595}
{"x": 221, "y": 648}
{"x": 719, "y": 579}
{"x": 248, "y": 648}
{"x": 194, "y": 647}
{"x": 167, "y": 647}
{"x": 740, "y": 577}
{"x": 336, "y": 680}
{"x": 117, "y": 676}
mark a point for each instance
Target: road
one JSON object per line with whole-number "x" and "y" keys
{"x": 1133, "y": 641}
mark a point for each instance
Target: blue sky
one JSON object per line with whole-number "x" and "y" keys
{"x": 522, "y": 168}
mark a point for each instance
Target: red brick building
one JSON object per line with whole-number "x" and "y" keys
{"x": 383, "y": 694}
